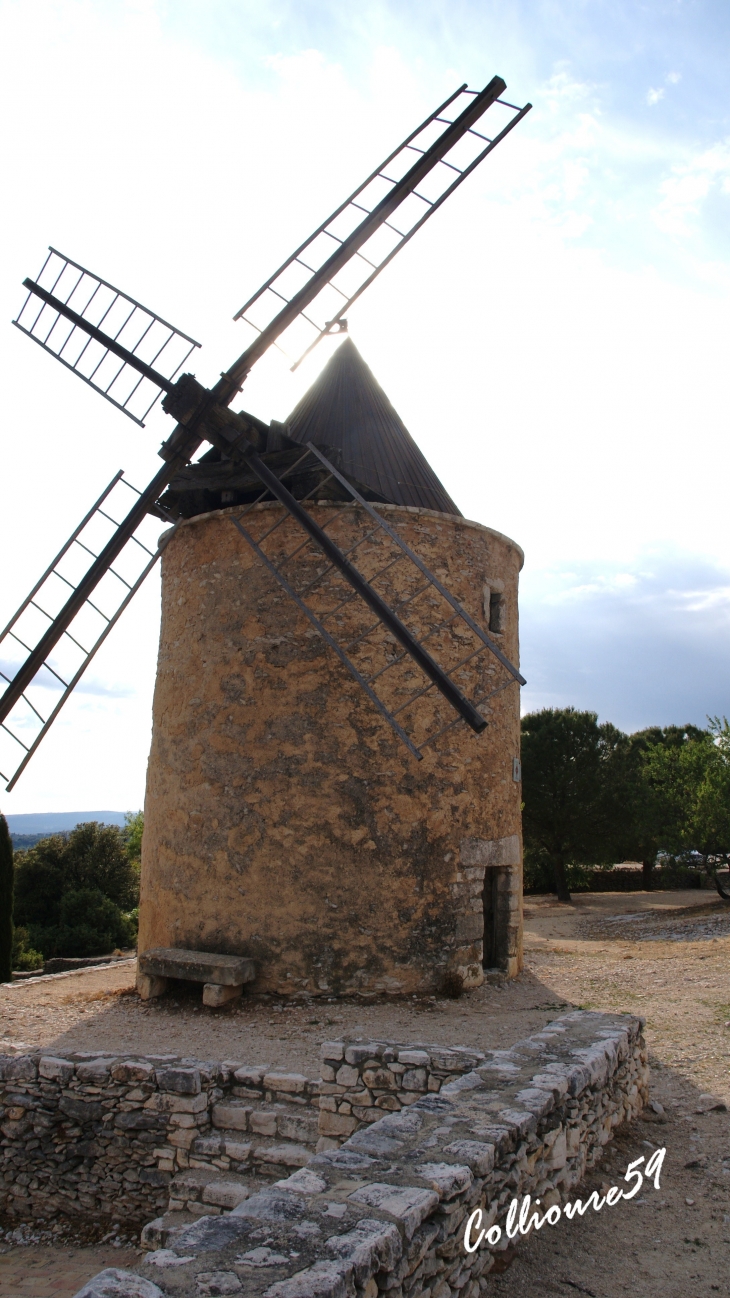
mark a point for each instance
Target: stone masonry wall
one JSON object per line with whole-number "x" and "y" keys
{"x": 385, "y": 1213}
{"x": 284, "y": 820}
{"x": 105, "y": 1135}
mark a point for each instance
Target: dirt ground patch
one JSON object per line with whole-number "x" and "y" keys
{"x": 663, "y": 955}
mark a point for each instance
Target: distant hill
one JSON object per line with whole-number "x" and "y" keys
{"x": 41, "y": 823}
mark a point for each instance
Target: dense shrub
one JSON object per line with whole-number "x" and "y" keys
{"x": 25, "y": 958}
{"x": 75, "y": 894}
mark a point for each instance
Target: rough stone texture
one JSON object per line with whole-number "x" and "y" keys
{"x": 129, "y": 1136}
{"x": 382, "y": 1076}
{"x": 283, "y": 818}
{"x": 385, "y": 1213}
{"x": 197, "y": 966}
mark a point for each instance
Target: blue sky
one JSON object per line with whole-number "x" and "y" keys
{"x": 555, "y": 339}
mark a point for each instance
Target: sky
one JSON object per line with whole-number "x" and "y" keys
{"x": 555, "y": 338}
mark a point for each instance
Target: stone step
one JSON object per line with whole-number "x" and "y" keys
{"x": 229, "y": 1151}
{"x": 201, "y": 1191}
{"x": 288, "y": 1121}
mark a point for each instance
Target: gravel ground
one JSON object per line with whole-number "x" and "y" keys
{"x": 663, "y": 955}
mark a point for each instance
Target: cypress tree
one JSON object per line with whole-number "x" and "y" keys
{"x": 6, "y": 902}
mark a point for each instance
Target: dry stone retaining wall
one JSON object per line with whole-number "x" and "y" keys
{"x": 108, "y": 1135}
{"x": 385, "y": 1213}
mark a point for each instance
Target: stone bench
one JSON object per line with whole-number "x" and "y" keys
{"x": 222, "y": 976}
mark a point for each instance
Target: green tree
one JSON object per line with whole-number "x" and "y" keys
{"x": 569, "y": 789}
{"x": 74, "y": 892}
{"x": 650, "y": 788}
{"x": 6, "y": 902}
{"x": 133, "y": 829}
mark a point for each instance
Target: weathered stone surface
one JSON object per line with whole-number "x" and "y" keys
{"x": 353, "y": 1210}
{"x": 323, "y": 1280}
{"x": 371, "y": 1246}
{"x": 214, "y": 994}
{"x": 227, "y": 781}
{"x": 82, "y": 1110}
{"x": 232, "y": 1116}
{"x": 113, "y": 1283}
{"x": 218, "y": 1282}
{"x": 271, "y": 1205}
{"x": 286, "y": 1154}
{"x": 407, "y": 1204}
{"x": 133, "y": 1070}
{"x": 183, "y": 1081}
{"x": 96, "y": 1071}
{"x": 447, "y": 1179}
{"x": 225, "y": 1193}
{"x": 304, "y": 1181}
{"x": 56, "y": 1070}
{"x": 196, "y": 966}
{"x": 289, "y": 1083}
{"x": 475, "y": 1153}
{"x": 150, "y": 985}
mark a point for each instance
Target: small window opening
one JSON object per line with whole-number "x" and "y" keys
{"x": 496, "y": 612}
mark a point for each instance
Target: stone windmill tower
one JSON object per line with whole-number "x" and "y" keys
{"x": 333, "y": 789}
{"x": 282, "y": 820}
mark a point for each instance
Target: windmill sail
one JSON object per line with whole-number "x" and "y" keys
{"x": 326, "y": 274}
{"x": 131, "y": 356}
{"x": 119, "y": 347}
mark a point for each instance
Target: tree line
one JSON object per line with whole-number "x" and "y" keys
{"x": 70, "y": 894}
{"x": 593, "y": 795}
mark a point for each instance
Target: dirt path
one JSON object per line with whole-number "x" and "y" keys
{"x": 663, "y": 955}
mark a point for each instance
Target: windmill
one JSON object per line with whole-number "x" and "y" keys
{"x": 134, "y": 357}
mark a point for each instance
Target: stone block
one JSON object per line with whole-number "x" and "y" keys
{"x": 20, "y": 1068}
{"x": 150, "y": 985}
{"x": 360, "y": 1054}
{"x": 251, "y": 1076}
{"x": 336, "y": 1124}
{"x": 332, "y": 1050}
{"x": 181, "y": 1081}
{"x": 197, "y": 966}
{"x": 81, "y": 1110}
{"x": 95, "y": 1072}
{"x": 475, "y": 1153}
{"x": 115, "y": 1283}
{"x": 133, "y": 1070}
{"x": 289, "y": 1083}
{"x": 408, "y": 1205}
{"x": 298, "y": 1127}
{"x": 169, "y": 1102}
{"x": 217, "y": 1282}
{"x": 347, "y": 1076}
{"x": 414, "y": 1079}
{"x": 447, "y": 1179}
{"x": 214, "y": 994}
{"x": 263, "y": 1123}
{"x": 285, "y": 1154}
{"x": 490, "y": 852}
{"x": 414, "y": 1058}
{"x": 225, "y": 1193}
{"x": 56, "y": 1070}
{"x": 303, "y": 1182}
{"x": 237, "y": 1150}
{"x": 231, "y": 1116}
{"x": 380, "y": 1079}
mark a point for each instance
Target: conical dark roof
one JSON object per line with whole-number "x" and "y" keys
{"x": 346, "y": 408}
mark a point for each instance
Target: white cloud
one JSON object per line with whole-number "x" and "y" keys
{"x": 691, "y": 183}
{"x": 653, "y": 96}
